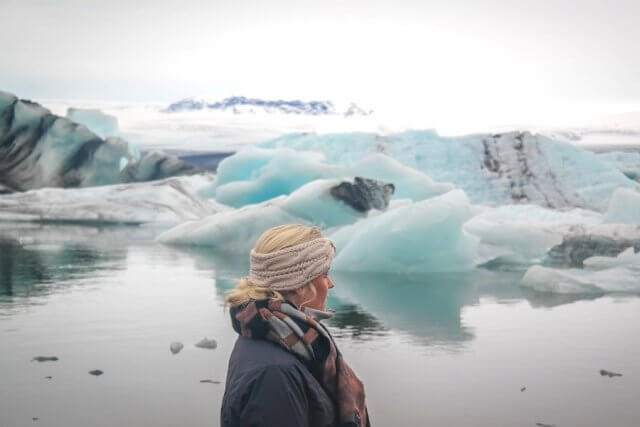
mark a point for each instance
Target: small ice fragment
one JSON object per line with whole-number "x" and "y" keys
{"x": 207, "y": 343}
{"x": 609, "y": 374}
{"x": 45, "y": 359}
{"x": 522, "y": 389}
{"x": 96, "y": 372}
{"x": 210, "y": 381}
{"x": 175, "y": 347}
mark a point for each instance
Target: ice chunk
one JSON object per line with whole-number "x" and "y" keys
{"x": 523, "y": 234}
{"x": 255, "y": 175}
{"x": 237, "y": 230}
{"x": 624, "y": 207}
{"x": 626, "y": 257}
{"x": 163, "y": 202}
{"x": 515, "y": 167}
{"x": 627, "y": 162}
{"x": 623, "y": 278}
{"x": 426, "y": 236}
{"x": 39, "y": 149}
{"x": 101, "y": 124}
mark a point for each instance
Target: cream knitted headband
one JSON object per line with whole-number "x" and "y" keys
{"x": 293, "y": 267}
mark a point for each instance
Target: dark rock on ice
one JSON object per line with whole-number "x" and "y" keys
{"x": 45, "y": 359}
{"x": 574, "y": 249}
{"x": 176, "y": 347}
{"x": 96, "y": 372}
{"x": 364, "y": 194}
{"x": 604, "y": 372}
{"x": 207, "y": 343}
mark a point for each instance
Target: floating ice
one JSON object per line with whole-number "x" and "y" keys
{"x": 426, "y": 236}
{"x": 515, "y": 167}
{"x": 39, "y": 149}
{"x": 255, "y": 175}
{"x": 101, "y": 124}
{"x": 237, "y": 230}
{"x": 162, "y": 202}
{"x": 624, "y": 207}
{"x": 523, "y": 234}
{"x": 627, "y": 163}
{"x": 600, "y": 275}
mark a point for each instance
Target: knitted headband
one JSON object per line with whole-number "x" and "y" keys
{"x": 293, "y": 267}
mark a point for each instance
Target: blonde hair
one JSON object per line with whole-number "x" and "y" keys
{"x": 274, "y": 239}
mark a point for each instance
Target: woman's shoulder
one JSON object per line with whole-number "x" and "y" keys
{"x": 250, "y": 354}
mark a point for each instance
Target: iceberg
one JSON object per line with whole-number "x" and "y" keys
{"x": 255, "y": 175}
{"x": 237, "y": 230}
{"x": 498, "y": 169}
{"x": 416, "y": 237}
{"x": 39, "y": 149}
{"x": 96, "y": 121}
{"x": 624, "y": 207}
{"x": 523, "y": 234}
{"x": 165, "y": 203}
{"x": 420, "y": 237}
{"x": 627, "y": 162}
{"x": 600, "y": 275}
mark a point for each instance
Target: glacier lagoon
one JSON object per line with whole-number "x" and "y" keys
{"x": 504, "y": 275}
{"x": 467, "y": 348}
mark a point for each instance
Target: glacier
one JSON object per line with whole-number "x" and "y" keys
{"x": 242, "y": 104}
{"x": 39, "y": 149}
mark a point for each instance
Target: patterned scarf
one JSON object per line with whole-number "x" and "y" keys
{"x": 302, "y": 334}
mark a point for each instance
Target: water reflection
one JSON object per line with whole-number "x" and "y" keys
{"x": 34, "y": 264}
{"x": 38, "y": 260}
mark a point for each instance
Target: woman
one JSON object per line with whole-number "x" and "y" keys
{"x": 285, "y": 369}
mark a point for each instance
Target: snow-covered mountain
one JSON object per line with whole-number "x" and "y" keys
{"x": 241, "y": 104}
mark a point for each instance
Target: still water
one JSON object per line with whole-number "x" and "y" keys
{"x": 440, "y": 350}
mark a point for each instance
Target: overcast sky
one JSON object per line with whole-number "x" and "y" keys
{"x": 516, "y": 54}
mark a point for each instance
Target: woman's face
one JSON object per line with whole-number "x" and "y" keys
{"x": 322, "y": 285}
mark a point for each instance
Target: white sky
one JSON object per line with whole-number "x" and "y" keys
{"x": 516, "y": 59}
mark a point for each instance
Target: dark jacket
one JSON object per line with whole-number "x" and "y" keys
{"x": 268, "y": 386}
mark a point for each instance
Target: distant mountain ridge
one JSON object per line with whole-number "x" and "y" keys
{"x": 241, "y": 104}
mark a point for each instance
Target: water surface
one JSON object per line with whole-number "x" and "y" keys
{"x": 440, "y": 349}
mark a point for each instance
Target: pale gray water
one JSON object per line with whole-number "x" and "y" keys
{"x": 438, "y": 350}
